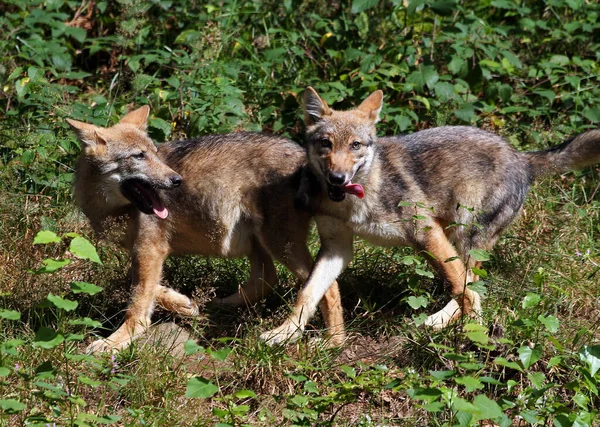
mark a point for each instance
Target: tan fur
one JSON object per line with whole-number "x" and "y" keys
{"x": 443, "y": 191}
{"x": 236, "y": 198}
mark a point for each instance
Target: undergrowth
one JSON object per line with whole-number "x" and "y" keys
{"x": 526, "y": 70}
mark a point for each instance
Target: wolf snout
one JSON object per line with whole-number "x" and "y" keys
{"x": 336, "y": 178}
{"x": 176, "y": 180}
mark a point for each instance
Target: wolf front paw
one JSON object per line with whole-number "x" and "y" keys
{"x": 442, "y": 318}
{"x": 284, "y": 334}
{"x": 103, "y": 346}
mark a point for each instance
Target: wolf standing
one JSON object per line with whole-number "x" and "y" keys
{"x": 232, "y": 196}
{"x": 445, "y": 190}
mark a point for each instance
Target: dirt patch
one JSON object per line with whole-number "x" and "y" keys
{"x": 371, "y": 350}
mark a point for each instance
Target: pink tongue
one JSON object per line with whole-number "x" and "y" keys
{"x": 160, "y": 211}
{"x": 355, "y": 189}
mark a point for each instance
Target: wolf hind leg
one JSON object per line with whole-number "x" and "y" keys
{"x": 464, "y": 300}
{"x": 173, "y": 301}
{"x": 263, "y": 277}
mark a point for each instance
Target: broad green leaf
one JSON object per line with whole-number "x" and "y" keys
{"x": 192, "y": 347}
{"x": 479, "y": 255}
{"x": 488, "y": 408}
{"x": 85, "y": 288}
{"x": 471, "y": 384}
{"x": 428, "y": 394}
{"x": 417, "y": 302}
{"x": 477, "y": 333}
{"x": 12, "y": 406}
{"x": 220, "y": 354}
{"x": 349, "y": 371}
{"x": 82, "y": 248}
{"x": 9, "y": 314}
{"x": 550, "y": 322}
{"x": 592, "y": 114}
{"x": 61, "y": 303}
{"x": 4, "y": 371}
{"x": 44, "y": 237}
{"x": 50, "y": 265}
{"x": 424, "y": 273}
{"x": 362, "y": 5}
{"x": 466, "y": 112}
{"x": 531, "y": 300}
{"x": 591, "y": 356}
{"x": 200, "y": 387}
{"x": 442, "y": 375}
{"x": 509, "y": 364}
{"x": 47, "y": 338}
{"x": 529, "y": 355}
{"x": 443, "y": 7}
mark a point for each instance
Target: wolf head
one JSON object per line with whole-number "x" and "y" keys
{"x": 340, "y": 144}
{"x": 120, "y": 165}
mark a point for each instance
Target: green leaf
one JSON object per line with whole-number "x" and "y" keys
{"x": 349, "y": 371}
{"x": 479, "y": 255}
{"x": 529, "y": 355}
{"x": 488, "y": 408}
{"x": 9, "y": 314}
{"x": 424, "y": 273}
{"x": 86, "y": 321}
{"x": 192, "y": 347}
{"x": 61, "y": 303}
{"x": 471, "y": 384}
{"x": 362, "y": 5}
{"x": 591, "y": 356}
{"x": 200, "y": 387}
{"x": 50, "y": 265}
{"x": 82, "y": 248}
{"x": 442, "y": 375}
{"x": 476, "y": 333}
{"x": 44, "y": 237}
{"x": 244, "y": 394}
{"x": 509, "y": 364}
{"x": 12, "y": 406}
{"x": 466, "y": 112}
{"x": 47, "y": 338}
{"x": 85, "y": 288}
{"x": 4, "y": 371}
{"x": 550, "y": 322}
{"x": 531, "y": 300}
{"x": 417, "y": 302}
{"x": 443, "y": 7}
{"x": 220, "y": 354}
{"x": 592, "y": 114}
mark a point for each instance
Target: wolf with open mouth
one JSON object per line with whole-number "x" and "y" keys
{"x": 232, "y": 196}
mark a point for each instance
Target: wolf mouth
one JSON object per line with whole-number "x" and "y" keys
{"x": 337, "y": 193}
{"x": 144, "y": 196}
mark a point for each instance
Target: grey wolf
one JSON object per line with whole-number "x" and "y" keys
{"x": 232, "y": 196}
{"x": 444, "y": 191}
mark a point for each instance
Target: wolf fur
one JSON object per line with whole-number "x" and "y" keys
{"x": 232, "y": 196}
{"x": 444, "y": 191}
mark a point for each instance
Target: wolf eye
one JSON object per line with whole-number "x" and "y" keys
{"x": 356, "y": 145}
{"x": 325, "y": 143}
{"x": 139, "y": 156}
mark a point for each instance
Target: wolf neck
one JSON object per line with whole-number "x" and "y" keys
{"x": 94, "y": 197}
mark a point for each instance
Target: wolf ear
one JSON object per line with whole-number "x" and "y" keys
{"x": 372, "y": 105}
{"x": 314, "y": 107}
{"x": 137, "y": 118}
{"x": 86, "y": 133}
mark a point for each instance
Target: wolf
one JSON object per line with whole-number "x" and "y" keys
{"x": 232, "y": 196}
{"x": 444, "y": 191}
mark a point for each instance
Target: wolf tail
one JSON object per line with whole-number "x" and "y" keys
{"x": 575, "y": 153}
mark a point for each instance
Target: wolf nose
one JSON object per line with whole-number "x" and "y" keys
{"x": 337, "y": 178}
{"x": 176, "y": 180}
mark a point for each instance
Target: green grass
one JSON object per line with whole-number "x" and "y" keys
{"x": 526, "y": 70}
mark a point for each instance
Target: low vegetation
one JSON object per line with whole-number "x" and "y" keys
{"x": 526, "y": 70}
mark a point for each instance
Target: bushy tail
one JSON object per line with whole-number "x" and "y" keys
{"x": 576, "y": 153}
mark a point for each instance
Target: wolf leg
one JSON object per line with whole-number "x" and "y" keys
{"x": 263, "y": 277}
{"x": 464, "y": 301}
{"x": 334, "y": 256}
{"x": 173, "y": 301}
{"x": 148, "y": 256}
